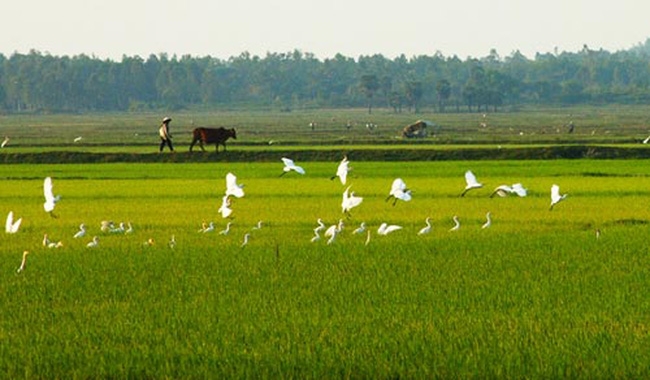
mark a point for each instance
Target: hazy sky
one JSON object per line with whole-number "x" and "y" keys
{"x": 113, "y": 28}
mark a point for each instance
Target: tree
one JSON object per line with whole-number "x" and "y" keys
{"x": 443, "y": 89}
{"x": 369, "y": 85}
{"x": 413, "y": 93}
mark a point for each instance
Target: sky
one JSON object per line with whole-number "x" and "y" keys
{"x": 324, "y": 28}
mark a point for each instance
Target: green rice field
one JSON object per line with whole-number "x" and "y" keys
{"x": 538, "y": 294}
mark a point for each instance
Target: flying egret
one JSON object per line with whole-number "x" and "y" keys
{"x": 12, "y": 227}
{"x": 504, "y": 190}
{"x": 349, "y": 201}
{"x": 232, "y": 187}
{"x": 342, "y": 170}
{"x": 226, "y": 230}
{"x": 359, "y": 230}
{"x": 225, "y": 209}
{"x": 456, "y": 226}
{"x": 50, "y": 199}
{"x": 556, "y": 197}
{"x": 22, "y": 263}
{"x": 471, "y": 181}
{"x": 488, "y": 221}
{"x": 4, "y": 142}
{"x": 398, "y": 190}
{"x": 289, "y": 166}
{"x": 426, "y": 229}
{"x": 246, "y": 237}
{"x": 82, "y": 231}
{"x": 385, "y": 228}
{"x": 94, "y": 243}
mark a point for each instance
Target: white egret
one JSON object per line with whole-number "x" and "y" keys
{"x": 504, "y": 190}
{"x": 556, "y": 197}
{"x": 471, "y": 181}
{"x": 316, "y": 237}
{"x": 645, "y": 141}
{"x": 488, "y": 221}
{"x": 350, "y": 201}
{"x": 53, "y": 244}
{"x": 385, "y": 228}
{"x": 208, "y": 228}
{"x": 77, "y": 139}
{"x": 50, "y": 199}
{"x": 12, "y": 227}
{"x": 368, "y": 238}
{"x": 456, "y": 226}
{"x": 172, "y": 242}
{"x": 119, "y": 229}
{"x": 246, "y": 237}
{"x": 320, "y": 227}
{"x": 289, "y": 165}
{"x": 359, "y": 230}
{"x": 129, "y": 229}
{"x": 258, "y": 226}
{"x": 334, "y": 230}
{"x": 82, "y": 231}
{"x": 225, "y": 209}
{"x": 226, "y": 230}
{"x": 232, "y": 187}
{"x": 4, "y": 142}
{"x": 94, "y": 243}
{"x": 106, "y": 225}
{"x": 398, "y": 190}
{"x": 23, "y": 263}
{"x": 342, "y": 170}
{"x": 426, "y": 229}
{"x": 46, "y": 240}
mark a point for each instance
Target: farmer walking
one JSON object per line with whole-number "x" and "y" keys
{"x": 165, "y": 135}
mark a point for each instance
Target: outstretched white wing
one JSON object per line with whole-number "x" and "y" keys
{"x": 470, "y": 178}
{"x": 50, "y": 200}
{"x": 519, "y": 189}
{"x": 342, "y": 170}
{"x": 555, "y": 194}
{"x": 232, "y": 187}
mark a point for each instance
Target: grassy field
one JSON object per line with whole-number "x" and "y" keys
{"x": 536, "y": 295}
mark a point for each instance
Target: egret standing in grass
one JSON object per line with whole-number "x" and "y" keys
{"x": 172, "y": 242}
{"x": 456, "y": 226}
{"x": 23, "y": 263}
{"x": 258, "y": 226}
{"x": 50, "y": 199}
{"x": 488, "y": 221}
{"x": 82, "y": 231}
{"x": 12, "y": 227}
{"x": 342, "y": 170}
{"x": 556, "y": 197}
{"x": 94, "y": 243}
{"x": 226, "y": 230}
{"x": 289, "y": 165}
{"x": 246, "y": 237}
{"x": 471, "y": 181}
{"x": 398, "y": 190}
{"x": 359, "y": 230}
{"x": 426, "y": 229}
{"x": 4, "y": 142}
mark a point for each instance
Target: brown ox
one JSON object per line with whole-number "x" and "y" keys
{"x": 217, "y": 136}
{"x": 417, "y": 129}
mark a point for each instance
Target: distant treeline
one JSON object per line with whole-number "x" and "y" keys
{"x": 37, "y": 82}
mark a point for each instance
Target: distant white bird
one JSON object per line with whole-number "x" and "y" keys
{"x": 258, "y": 226}
{"x": 385, "y": 228}
{"x": 426, "y": 229}
{"x": 55, "y": 244}
{"x": 119, "y": 229}
{"x": 94, "y": 243}
{"x": 129, "y": 229}
{"x": 226, "y": 230}
{"x": 488, "y": 221}
{"x": 349, "y": 201}
{"x": 232, "y": 187}
{"x": 78, "y": 138}
{"x": 456, "y": 226}
{"x": 368, "y": 238}
{"x": 23, "y": 263}
{"x": 334, "y": 230}
{"x": 471, "y": 181}
{"x": 50, "y": 199}
{"x": 4, "y": 142}
{"x": 225, "y": 209}
{"x": 172, "y": 242}
{"x": 12, "y": 227}
{"x": 316, "y": 237}
{"x": 82, "y": 231}
{"x": 246, "y": 237}
{"x": 208, "y": 228}
{"x": 342, "y": 170}
{"x": 106, "y": 225}
{"x": 646, "y": 140}
{"x": 398, "y": 190}
{"x": 556, "y": 197}
{"x": 289, "y": 165}
{"x": 504, "y": 190}
{"x": 320, "y": 227}
{"x": 359, "y": 230}
{"x": 46, "y": 240}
